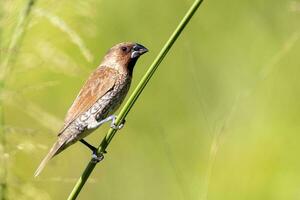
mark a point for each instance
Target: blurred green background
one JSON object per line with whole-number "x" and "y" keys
{"x": 219, "y": 120}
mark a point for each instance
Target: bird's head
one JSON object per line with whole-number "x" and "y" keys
{"x": 123, "y": 56}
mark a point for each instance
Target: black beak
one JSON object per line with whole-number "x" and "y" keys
{"x": 138, "y": 50}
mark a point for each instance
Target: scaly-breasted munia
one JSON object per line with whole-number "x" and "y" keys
{"x": 99, "y": 98}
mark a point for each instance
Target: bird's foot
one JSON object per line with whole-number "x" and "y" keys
{"x": 97, "y": 157}
{"x": 114, "y": 126}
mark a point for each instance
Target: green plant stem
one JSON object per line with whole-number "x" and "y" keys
{"x": 134, "y": 96}
{"x": 5, "y": 69}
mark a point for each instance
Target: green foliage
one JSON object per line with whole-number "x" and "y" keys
{"x": 220, "y": 119}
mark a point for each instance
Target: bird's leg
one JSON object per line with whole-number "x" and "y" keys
{"x": 95, "y": 156}
{"x": 97, "y": 123}
{"x": 112, "y": 118}
{"x": 91, "y": 147}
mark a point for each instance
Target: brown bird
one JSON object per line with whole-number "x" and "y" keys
{"x": 98, "y": 99}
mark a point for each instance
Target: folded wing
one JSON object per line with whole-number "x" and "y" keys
{"x": 98, "y": 84}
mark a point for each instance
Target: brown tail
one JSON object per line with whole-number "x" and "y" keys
{"x": 53, "y": 151}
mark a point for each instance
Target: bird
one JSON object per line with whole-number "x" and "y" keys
{"x": 98, "y": 99}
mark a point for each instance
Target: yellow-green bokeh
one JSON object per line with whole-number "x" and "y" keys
{"x": 219, "y": 119}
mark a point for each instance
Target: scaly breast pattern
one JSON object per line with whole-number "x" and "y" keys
{"x": 104, "y": 107}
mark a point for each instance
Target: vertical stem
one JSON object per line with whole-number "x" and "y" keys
{"x": 5, "y": 69}
{"x": 134, "y": 96}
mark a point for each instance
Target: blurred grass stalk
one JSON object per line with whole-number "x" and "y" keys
{"x": 5, "y": 69}
{"x": 134, "y": 96}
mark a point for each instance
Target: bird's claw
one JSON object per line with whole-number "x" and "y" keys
{"x": 97, "y": 157}
{"x": 114, "y": 126}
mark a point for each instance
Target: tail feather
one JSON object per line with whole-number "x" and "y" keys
{"x": 56, "y": 148}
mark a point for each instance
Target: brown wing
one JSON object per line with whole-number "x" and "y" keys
{"x": 98, "y": 84}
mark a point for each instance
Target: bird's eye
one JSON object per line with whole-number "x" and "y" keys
{"x": 124, "y": 49}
